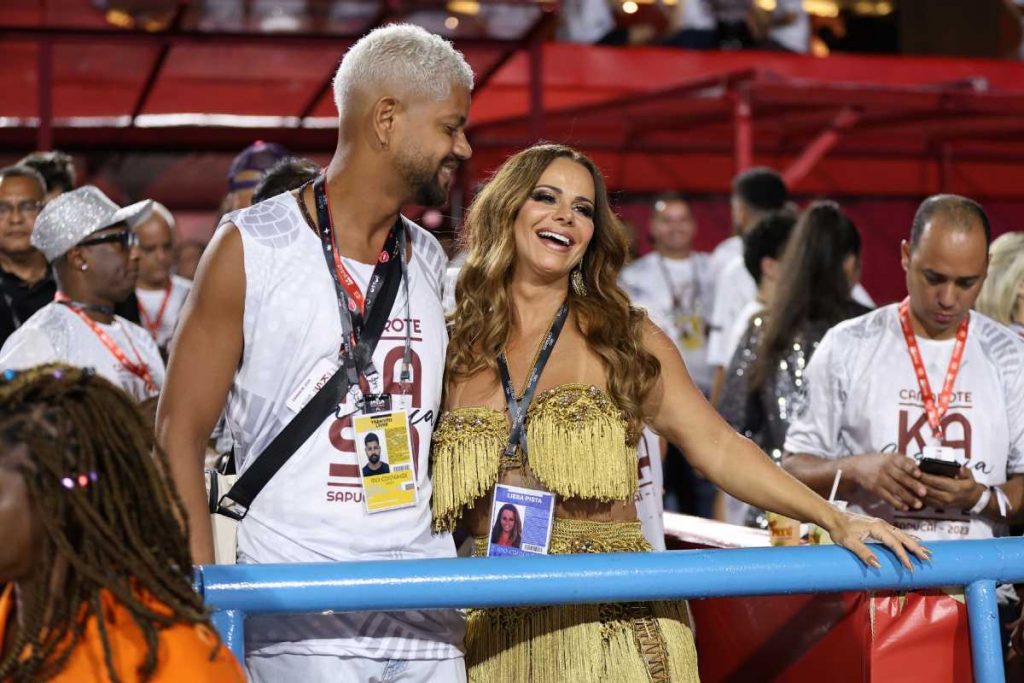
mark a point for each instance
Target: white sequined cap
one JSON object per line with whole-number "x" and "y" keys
{"x": 71, "y": 217}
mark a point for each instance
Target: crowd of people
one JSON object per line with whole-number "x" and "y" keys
{"x": 311, "y": 341}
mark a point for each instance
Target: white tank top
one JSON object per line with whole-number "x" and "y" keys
{"x": 312, "y": 510}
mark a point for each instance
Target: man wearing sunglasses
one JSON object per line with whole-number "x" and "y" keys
{"x": 88, "y": 241}
{"x": 25, "y": 281}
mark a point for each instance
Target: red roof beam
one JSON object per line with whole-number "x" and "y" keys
{"x": 724, "y": 80}
{"x": 158, "y": 63}
{"x": 820, "y": 146}
{"x": 92, "y": 35}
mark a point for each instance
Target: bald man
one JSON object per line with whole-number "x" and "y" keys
{"x": 918, "y": 403}
{"x": 262, "y": 330}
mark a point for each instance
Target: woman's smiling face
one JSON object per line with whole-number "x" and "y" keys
{"x": 556, "y": 223}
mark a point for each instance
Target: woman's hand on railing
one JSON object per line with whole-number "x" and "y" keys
{"x": 852, "y": 531}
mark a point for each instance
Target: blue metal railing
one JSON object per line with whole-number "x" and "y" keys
{"x": 236, "y": 590}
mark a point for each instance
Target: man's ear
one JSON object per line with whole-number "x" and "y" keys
{"x": 75, "y": 258}
{"x": 383, "y": 119}
{"x": 905, "y": 255}
{"x": 769, "y": 267}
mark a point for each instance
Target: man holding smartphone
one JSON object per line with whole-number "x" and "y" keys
{"x": 919, "y": 403}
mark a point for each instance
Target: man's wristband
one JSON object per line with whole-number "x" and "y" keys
{"x": 986, "y": 496}
{"x": 982, "y": 503}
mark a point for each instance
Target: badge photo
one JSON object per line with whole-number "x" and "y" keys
{"x": 521, "y": 521}
{"x": 384, "y": 457}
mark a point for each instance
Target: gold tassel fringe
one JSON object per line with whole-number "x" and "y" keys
{"x": 578, "y": 643}
{"x": 641, "y": 642}
{"x": 576, "y": 440}
{"x": 466, "y": 453}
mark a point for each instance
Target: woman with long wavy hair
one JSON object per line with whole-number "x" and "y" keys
{"x": 551, "y": 375}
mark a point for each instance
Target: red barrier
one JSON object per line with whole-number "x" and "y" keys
{"x": 840, "y": 637}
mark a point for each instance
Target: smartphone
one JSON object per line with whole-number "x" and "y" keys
{"x": 941, "y": 468}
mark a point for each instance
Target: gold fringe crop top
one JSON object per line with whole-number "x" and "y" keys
{"x": 576, "y": 439}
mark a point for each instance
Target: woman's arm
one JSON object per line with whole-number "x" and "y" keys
{"x": 677, "y": 410}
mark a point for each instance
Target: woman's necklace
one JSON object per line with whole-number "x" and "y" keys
{"x": 536, "y": 353}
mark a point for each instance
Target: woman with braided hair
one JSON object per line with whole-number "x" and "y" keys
{"x": 95, "y": 560}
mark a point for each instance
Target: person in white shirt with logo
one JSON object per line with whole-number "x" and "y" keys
{"x": 674, "y": 284}
{"x": 88, "y": 241}
{"x": 160, "y": 293}
{"x": 328, "y": 282}
{"x": 755, "y": 193}
{"x": 919, "y": 403}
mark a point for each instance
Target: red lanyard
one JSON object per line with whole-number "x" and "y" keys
{"x": 153, "y": 324}
{"x": 934, "y": 412}
{"x": 356, "y": 302}
{"x": 139, "y": 369}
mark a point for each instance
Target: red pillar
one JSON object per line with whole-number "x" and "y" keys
{"x": 44, "y": 86}
{"x": 744, "y": 131}
{"x": 536, "y": 90}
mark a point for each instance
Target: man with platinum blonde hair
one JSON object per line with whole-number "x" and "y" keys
{"x": 403, "y": 56}
{"x": 329, "y": 286}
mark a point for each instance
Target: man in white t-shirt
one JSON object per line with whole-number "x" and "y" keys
{"x": 866, "y": 415}
{"x": 274, "y": 293}
{"x": 762, "y": 252}
{"x": 88, "y": 241}
{"x": 755, "y": 193}
{"x": 674, "y": 284}
{"x": 160, "y": 293}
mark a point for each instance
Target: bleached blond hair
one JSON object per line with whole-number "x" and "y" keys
{"x": 402, "y": 55}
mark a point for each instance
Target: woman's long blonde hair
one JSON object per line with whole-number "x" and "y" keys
{"x": 482, "y": 320}
{"x": 998, "y": 297}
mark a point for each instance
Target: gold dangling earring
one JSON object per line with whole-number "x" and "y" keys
{"x": 576, "y": 278}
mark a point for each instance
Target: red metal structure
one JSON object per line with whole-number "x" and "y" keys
{"x": 653, "y": 117}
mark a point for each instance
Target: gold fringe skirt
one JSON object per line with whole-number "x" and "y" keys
{"x": 647, "y": 642}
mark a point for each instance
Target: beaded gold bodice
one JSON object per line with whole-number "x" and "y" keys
{"x": 576, "y": 438}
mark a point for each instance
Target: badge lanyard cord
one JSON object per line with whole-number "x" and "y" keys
{"x": 517, "y": 408}
{"x": 153, "y": 324}
{"x": 676, "y": 294}
{"x": 139, "y": 368}
{"x": 356, "y": 351}
{"x": 934, "y": 412}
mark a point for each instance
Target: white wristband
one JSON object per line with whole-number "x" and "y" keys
{"x": 982, "y": 503}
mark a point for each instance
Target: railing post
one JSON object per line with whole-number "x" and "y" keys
{"x": 230, "y": 624}
{"x": 986, "y": 648}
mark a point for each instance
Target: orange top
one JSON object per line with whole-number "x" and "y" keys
{"x": 183, "y": 655}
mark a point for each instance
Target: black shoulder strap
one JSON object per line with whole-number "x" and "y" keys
{"x": 235, "y": 503}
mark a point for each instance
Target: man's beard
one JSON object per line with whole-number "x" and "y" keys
{"x": 421, "y": 176}
{"x": 374, "y": 458}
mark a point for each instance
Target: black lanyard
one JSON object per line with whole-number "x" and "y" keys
{"x": 677, "y": 293}
{"x": 517, "y": 408}
{"x": 360, "y": 334}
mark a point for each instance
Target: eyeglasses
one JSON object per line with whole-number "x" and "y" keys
{"x": 29, "y": 207}
{"x": 126, "y": 238}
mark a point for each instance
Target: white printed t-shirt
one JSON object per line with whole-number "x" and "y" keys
{"x": 863, "y": 397}
{"x": 55, "y": 334}
{"x": 313, "y": 510}
{"x": 650, "y": 509}
{"x": 734, "y": 289}
{"x": 645, "y": 282}
{"x": 150, "y": 301}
